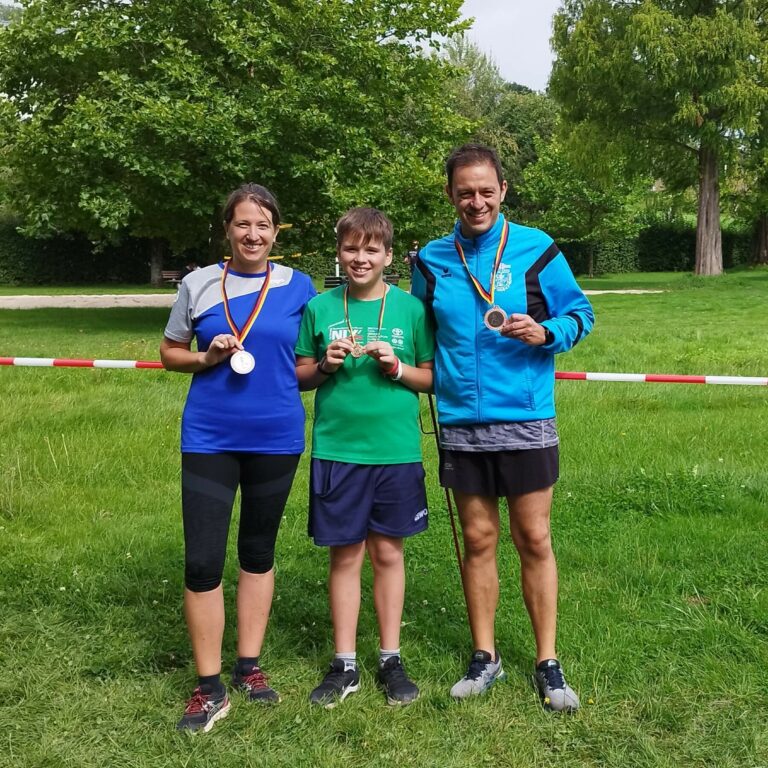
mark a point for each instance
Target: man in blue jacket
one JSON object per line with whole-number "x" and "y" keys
{"x": 504, "y": 302}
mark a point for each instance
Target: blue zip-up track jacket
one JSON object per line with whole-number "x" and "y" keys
{"x": 482, "y": 377}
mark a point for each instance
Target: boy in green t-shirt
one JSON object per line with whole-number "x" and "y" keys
{"x": 368, "y": 348}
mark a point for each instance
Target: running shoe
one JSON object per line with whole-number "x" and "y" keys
{"x": 483, "y": 672}
{"x": 396, "y": 683}
{"x": 336, "y": 686}
{"x": 255, "y": 684}
{"x": 556, "y": 695}
{"x": 203, "y": 710}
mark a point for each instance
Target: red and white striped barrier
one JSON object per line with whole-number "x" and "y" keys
{"x": 51, "y": 362}
{"x": 664, "y": 378}
{"x": 648, "y": 378}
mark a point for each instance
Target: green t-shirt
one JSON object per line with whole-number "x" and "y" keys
{"x": 362, "y": 417}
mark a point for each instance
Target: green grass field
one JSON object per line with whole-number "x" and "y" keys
{"x": 659, "y": 522}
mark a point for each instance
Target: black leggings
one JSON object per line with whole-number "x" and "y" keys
{"x": 208, "y": 486}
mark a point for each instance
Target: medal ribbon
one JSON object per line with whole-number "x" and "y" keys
{"x": 240, "y": 335}
{"x": 346, "y": 312}
{"x": 487, "y": 295}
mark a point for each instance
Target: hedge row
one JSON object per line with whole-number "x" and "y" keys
{"x": 73, "y": 259}
{"x": 657, "y": 249}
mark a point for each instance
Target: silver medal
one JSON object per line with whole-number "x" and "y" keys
{"x": 242, "y": 362}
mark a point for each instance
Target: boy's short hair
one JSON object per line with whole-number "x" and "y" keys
{"x": 473, "y": 154}
{"x": 365, "y": 225}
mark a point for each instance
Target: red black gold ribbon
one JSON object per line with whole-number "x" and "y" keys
{"x": 241, "y": 334}
{"x": 487, "y": 295}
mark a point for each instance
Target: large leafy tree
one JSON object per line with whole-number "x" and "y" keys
{"x": 137, "y": 117}
{"x": 573, "y": 204}
{"x": 676, "y": 84}
{"x": 507, "y": 116}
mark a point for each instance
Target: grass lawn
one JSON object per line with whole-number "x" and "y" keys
{"x": 660, "y": 528}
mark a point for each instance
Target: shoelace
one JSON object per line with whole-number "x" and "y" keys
{"x": 476, "y": 669}
{"x": 394, "y": 672}
{"x": 336, "y": 676}
{"x": 256, "y": 679}
{"x": 197, "y": 703}
{"x": 554, "y": 677}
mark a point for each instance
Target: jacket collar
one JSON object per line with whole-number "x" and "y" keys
{"x": 491, "y": 236}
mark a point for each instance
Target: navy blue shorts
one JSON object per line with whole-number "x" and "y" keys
{"x": 346, "y": 501}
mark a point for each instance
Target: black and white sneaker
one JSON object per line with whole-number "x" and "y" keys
{"x": 400, "y": 689}
{"x": 556, "y": 695}
{"x": 203, "y": 710}
{"x": 336, "y": 686}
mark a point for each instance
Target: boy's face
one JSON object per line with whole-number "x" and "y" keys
{"x": 476, "y": 195}
{"x": 363, "y": 263}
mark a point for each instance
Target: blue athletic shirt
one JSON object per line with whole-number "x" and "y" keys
{"x": 259, "y": 412}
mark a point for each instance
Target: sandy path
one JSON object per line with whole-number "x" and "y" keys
{"x": 138, "y": 300}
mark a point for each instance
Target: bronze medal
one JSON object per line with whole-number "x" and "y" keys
{"x": 494, "y": 318}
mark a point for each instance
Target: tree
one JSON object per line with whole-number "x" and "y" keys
{"x": 576, "y": 206}
{"x": 507, "y": 116}
{"x": 674, "y": 83}
{"x": 137, "y": 117}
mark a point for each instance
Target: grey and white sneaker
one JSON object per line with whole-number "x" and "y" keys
{"x": 556, "y": 694}
{"x": 483, "y": 672}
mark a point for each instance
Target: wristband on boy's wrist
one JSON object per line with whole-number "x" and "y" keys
{"x": 322, "y": 370}
{"x": 396, "y": 371}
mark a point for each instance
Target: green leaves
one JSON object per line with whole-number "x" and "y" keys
{"x": 140, "y": 117}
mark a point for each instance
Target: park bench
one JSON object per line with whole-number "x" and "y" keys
{"x": 172, "y": 276}
{"x": 332, "y": 281}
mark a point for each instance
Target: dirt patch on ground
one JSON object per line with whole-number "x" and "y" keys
{"x": 95, "y": 301}
{"x": 104, "y": 300}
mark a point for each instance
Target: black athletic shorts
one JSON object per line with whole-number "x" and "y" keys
{"x": 499, "y": 473}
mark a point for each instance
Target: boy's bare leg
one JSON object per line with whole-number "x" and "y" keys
{"x": 388, "y": 563}
{"x": 205, "y": 620}
{"x": 529, "y": 516}
{"x": 346, "y": 563}
{"x": 479, "y": 516}
{"x": 254, "y": 600}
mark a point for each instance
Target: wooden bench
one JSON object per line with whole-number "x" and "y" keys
{"x": 332, "y": 281}
{"x": 172, "y": 276}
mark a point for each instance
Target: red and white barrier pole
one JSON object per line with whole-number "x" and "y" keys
{"x": 647, "y": 378}
{"x": 52, "y": 362}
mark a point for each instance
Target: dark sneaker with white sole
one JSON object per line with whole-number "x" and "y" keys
{"x": 338, "y": 683}
{"x": 255, "y": 684}
{"x": 400, "y": 689}
{"x": 203, "y": 710}
{"x": 556, "y": 695}
{"x": 483, "y": 672}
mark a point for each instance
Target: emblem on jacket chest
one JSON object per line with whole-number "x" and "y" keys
{"x": 503, "y": 278}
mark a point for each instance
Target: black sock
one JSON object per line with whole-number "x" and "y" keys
{"x": 247, "y": 663}
{"x": 210, "y": 684}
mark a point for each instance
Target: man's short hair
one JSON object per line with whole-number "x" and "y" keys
{"x": 365, "y": 225}
{"x": 473, "y": 154}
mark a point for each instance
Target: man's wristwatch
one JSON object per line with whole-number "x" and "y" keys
{"x": 549, "y": 337}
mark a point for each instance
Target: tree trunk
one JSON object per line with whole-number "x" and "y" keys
{"x": 709, "y": 244}
{"x": 591, "y": 259}
{"x": 760, "y": 243}
{"x": 215, "y": 237}
{"x": 156, "y": 257}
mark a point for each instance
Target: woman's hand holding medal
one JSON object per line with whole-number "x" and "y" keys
{"x": 524, "y": 328}
{"x": 221, "y": 347}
